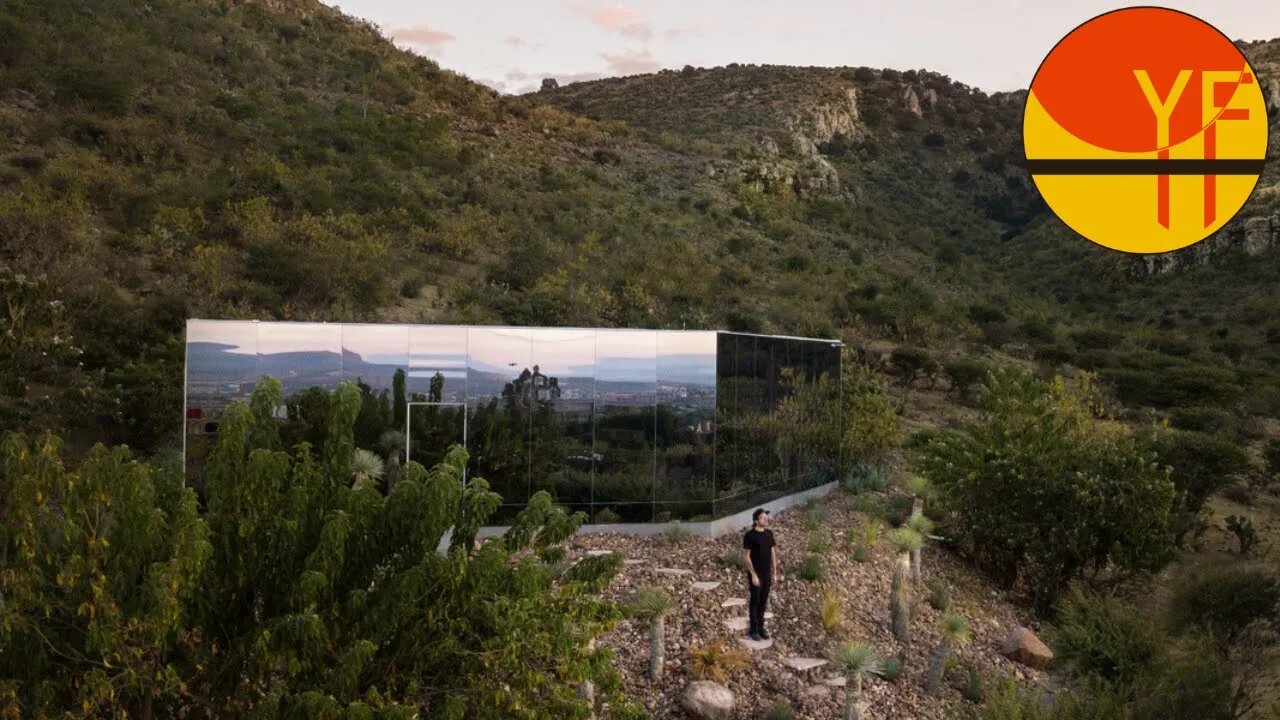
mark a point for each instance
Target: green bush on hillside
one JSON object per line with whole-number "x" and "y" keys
{"x": 1045, "y": 492}
{"x": 297, "y": 593}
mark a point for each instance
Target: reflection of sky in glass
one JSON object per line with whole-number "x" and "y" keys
{"x": 242, "y": 336}
{"x": 441, "y": 349}
{"x": 626, "y": 356}
{"x": 565, "y": 353}
{"x": 687, "y": 357}
{"x": 291, "y": 337}
{"x": 378, "y": 344}
{"x": 499, "y": 350}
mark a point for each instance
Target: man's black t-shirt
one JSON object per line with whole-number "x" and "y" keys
{"x": 760, "y": 543}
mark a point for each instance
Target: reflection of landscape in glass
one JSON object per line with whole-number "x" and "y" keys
{"x": 627, "y": 425}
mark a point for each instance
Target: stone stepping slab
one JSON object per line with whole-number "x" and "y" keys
{"x": 676, "y": 572}
{"x": 803, "y": 664}
{"x": 598, "y": 553}
{"x": 734, "y": 602}
{"x": 706, "y": 586}
{"x": 750, "y": 644}
{"x": 741, "y": 623}
{"x": 836, "y": 681}
{"x": 632, "y": 561}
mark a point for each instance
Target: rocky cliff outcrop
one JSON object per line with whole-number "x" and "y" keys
{"x": 1252, "y": 236}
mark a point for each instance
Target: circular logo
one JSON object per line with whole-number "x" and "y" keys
{"x": 1145, "y": 130}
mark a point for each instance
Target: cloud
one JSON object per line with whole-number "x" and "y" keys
{"x": 622, "y": 19}
{"x": 422, "y": 36}
{"x": 633, "y": 63}
{"x": 615, "y": 17}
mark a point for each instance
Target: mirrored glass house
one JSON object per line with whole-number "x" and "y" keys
{"x": 626, "y": 425}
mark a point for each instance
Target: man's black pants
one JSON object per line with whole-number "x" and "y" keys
{"x": 759, "y": 599}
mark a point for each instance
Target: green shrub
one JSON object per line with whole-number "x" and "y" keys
{"x": 869, "y": 505}
{"x": 1098, "y": 636}
{"x": 861, "y": 553}
{"x": 780, "y": 710}
{"x": 891, "y": 667}
{"x": 1201, "y": 465}
{"x": 939, "y": 594}
{"x": 1242, "y": 528}
{"x": 606, "y": 516}
{"x": 815, "y": 514}
{"x": 866, "y": 478}
{"x": 675, "y": 532}
{"x": 1007, "y": 700}
{"x": 1027, "y": 454}
{"x": 898, "y": 511}
{"x": 1223, "y": 600}
{"x": 973, "y": 690}
{"x": 811, "y": 568}
{"x": 818, "y": 544}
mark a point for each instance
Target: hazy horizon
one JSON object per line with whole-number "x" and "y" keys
{"x": 995, "y": 45}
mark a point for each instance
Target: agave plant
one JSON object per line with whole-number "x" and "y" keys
{"x": 366, "y": 469}
{"x": 905, "y": 541}
{"x": 653, "y": 604}
{"x": 856, "y": 660}
{"x": 955, "y": 631}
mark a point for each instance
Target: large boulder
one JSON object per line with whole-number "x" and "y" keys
{"x": 706, "y": 700}
{"x": 1023, "y": 646}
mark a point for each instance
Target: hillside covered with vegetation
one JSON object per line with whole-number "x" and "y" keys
{"x": 1116, "y": 474}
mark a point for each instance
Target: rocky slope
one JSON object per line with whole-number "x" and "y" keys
{"x": 863, "y": 590}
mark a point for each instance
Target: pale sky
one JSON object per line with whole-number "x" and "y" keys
{"x": 995, "y": 45}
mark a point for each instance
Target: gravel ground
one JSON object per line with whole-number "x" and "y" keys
{"x": 796, "y": 628}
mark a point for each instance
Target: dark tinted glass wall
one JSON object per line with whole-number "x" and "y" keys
{"x": 778, "y": 419}
{"x": 626, "y": 425}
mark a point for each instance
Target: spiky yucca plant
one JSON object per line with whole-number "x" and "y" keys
{"x": 955, "y": 632}
{"x": 856, "y": 660}
{"x": 924, "y": 526}
{"x": 653, "y": 604}
{"x": 366, "y": 469}
{"x": 905, "y": 541}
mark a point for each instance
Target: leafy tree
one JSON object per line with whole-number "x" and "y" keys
{"x": 963, "y": 374}
{"x": 1044, "y": 490}
{"x": 1225, "y": 601}
{"x": 298, "y": 594}
{"x": 911, "y": 362}
{"x": 101, "y": 565}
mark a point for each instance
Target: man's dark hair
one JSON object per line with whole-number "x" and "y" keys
{"x": 755, "y": 516}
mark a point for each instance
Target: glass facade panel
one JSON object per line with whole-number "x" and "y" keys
{"x": 685, "y": 424}
{"x": 501, "y": 399}
{"x": 626, "y": 384}
{"x": 563, "y": 401}
{"x": 625, "y": 425}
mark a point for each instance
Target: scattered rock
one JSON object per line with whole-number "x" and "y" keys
{"x": 803, "y": 664}
{"x": 1023, "y": 646}
{"x": 706, "y": 700}
{"x": 912, "y": 102}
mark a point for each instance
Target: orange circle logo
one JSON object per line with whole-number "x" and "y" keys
{"x": 1145, "y": 130}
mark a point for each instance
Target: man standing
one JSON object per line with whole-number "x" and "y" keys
{"x": 760, "y": 551}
